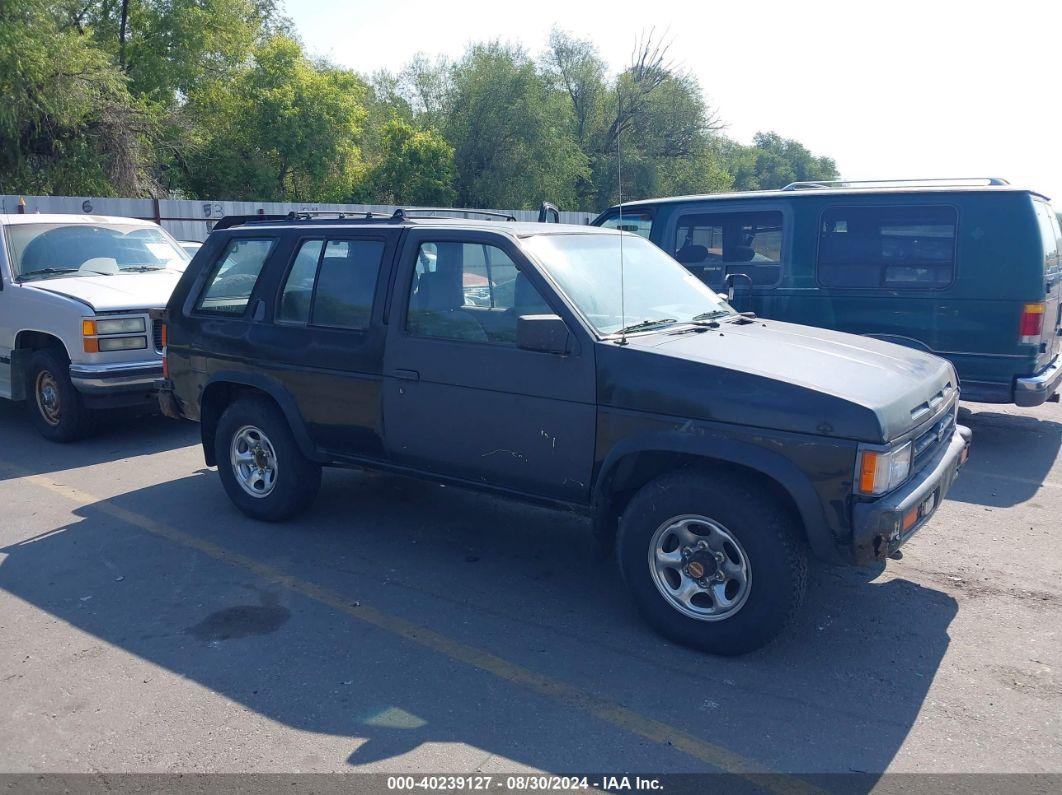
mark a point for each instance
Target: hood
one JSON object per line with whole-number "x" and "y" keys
{"x": 782, "y": 376}
{"x": 116, "y": 292}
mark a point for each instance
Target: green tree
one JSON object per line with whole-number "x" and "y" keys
{"x": 68, "y": 123}
{"x": 286, "y": 128}
{"x": 167, "y": 47}
{"x": 413, "y": 167}
{"x": 511, "y": 133}
{"x": 773, "y": 162}
{"x": 652, "y": 113}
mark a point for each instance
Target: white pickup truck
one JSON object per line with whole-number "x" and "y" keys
{"x": 75, "y": 335}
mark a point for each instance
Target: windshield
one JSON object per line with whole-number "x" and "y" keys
{"x": 657, "y": 290}
{"x": 40, "y": 251}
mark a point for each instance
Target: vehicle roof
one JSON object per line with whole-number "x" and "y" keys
{"x": 821, "y": 192}
{"x": 63, "y": 218}
{"x": 515, "y": 228}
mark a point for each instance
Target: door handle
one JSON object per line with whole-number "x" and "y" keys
{"x": 407, "y": 375}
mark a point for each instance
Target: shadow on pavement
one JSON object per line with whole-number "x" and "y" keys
{"x": 117, "y": 435}
{"x": 838, "y": 693}
{"x": 1011, "y": 457}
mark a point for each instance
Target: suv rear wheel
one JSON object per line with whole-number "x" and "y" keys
{"x": 54, "y": 404}
{"x": 261, "y": 466}
{"x": 713, "y": 562}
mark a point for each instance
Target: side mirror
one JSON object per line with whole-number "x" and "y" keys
{"x": 542, "y": 333}
{"x": 739, "y": 286}
{"x": 547, "y": 211}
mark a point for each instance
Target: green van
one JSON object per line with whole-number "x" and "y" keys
{"x": 967, "y": 269}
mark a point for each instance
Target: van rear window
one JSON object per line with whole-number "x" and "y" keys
{"x": 1050, "y": 234}
{"x": 887, "y": 247}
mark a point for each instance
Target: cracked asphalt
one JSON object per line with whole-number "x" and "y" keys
{"x": 146, "y": 626}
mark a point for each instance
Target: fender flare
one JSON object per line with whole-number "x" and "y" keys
{"x": 274, "y": 389}
{"x": 728, "y": 451}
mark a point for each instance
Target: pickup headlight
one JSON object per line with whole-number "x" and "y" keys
{"x": 880, "y": 471}
{"x": 123, "y": 343}
{"x": 121, "y": 325}
{"x": 100, "y": 335}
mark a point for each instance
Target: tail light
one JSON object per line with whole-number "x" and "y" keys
{"x": 1032, "y": 323}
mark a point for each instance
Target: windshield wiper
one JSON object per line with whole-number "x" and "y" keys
{"x": 45, "y": 272}
{"x": 645, "y": 325}
{"x": 715, "y": 313}
{"x": 143, "y": 268}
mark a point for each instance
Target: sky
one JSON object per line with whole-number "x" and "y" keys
{"x": 890, "y": 90}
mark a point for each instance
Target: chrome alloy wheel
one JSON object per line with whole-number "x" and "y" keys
{"x": 254, "y": 462}
{"x": 47, "y": 392}
{"x": 699, "y": 567}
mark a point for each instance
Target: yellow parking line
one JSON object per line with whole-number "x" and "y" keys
{"x": 561, "y": 692}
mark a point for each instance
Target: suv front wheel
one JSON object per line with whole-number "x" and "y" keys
{"x": 261, "y": 466}
{"x": 713, "y": 561}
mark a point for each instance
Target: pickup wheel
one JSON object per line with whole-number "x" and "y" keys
{"x": 712, "y": 561}
{"x": 261, "y": 466}
{"x": 53, "y": 402}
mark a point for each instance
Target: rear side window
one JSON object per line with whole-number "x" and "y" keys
{"x": 640, "y": 222}
{"x": 332, "y": 283}
{"x": 230, "y": 285}
{"x": 887, "y": 247}
{"x": 716, "y": 245}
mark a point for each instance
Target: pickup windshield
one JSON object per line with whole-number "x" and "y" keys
{"x": 41, "y": 251}
{"x": 657, "y": 291}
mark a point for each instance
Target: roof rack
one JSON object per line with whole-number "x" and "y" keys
{"x": 396, "y": 217}
{"x": 938, "y": 182}
{"x": 433, "y": 212}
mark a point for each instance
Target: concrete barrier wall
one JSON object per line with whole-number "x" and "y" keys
{"x": 192, "y": 220}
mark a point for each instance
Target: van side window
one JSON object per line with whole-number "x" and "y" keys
{"x": 715, "y": 245}
{"x": 332, "y": 283}
{"x": 887, "y": 247}
{"x": 230, "y": 285}
{"x": 471, "y": 292}
{"x": 638, "y": 221}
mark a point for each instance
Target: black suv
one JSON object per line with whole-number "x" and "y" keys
{"x": 712, "y": 448}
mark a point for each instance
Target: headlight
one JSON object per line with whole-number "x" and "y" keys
{"x": 123, "y": 343}
{"x": 880, "y": 471}
{"x": 122, "y": 325}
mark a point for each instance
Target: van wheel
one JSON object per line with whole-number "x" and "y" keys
{"x": 713, "y": 561}
{"x": 54, "y": 404}
{"x": 261, "y": 466}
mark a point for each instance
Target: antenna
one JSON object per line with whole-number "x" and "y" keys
{"x": 619, "y": 179}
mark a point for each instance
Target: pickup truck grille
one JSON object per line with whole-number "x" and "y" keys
{"x": 156, "y": 335}
{"x": 929, "y": 442}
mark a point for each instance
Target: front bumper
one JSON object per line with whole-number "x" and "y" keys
{"x": 878, "y": 526}
{"x": 1038, "y": 389}
{"x": 118, "y": 378}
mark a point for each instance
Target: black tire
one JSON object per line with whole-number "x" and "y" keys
{"x": 297, "y": 479}
{"x": 54, "y": 404}
{"x": 770, "y": 540}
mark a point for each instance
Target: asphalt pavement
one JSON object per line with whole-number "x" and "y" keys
{"x": 400, "y": 626}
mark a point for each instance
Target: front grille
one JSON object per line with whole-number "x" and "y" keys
{"x": 929, "y": 442}
{"x": 156, "y": 335}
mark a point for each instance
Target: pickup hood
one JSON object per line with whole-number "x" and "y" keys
{"x": 781, "y": 376}
{"x": 115, "y": 292}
